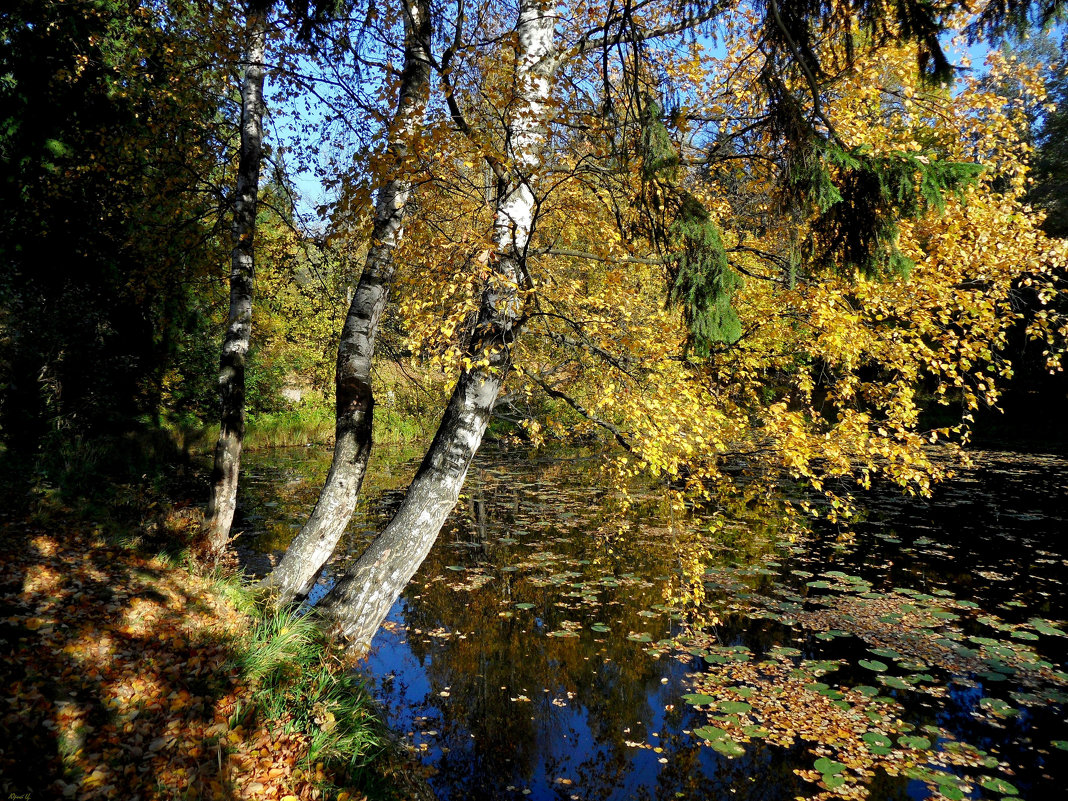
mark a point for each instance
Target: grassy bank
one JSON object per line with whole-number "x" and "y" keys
{"x": 134, "y": 676}
{"x": 304, "y": 425}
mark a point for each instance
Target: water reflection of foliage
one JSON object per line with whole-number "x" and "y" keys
{"x": 538, "y": 581}
{"x": 519, "y": 618}
{"x": 280, "y": 486}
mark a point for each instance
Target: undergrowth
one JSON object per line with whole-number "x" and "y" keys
{"x": 294, "y": 673}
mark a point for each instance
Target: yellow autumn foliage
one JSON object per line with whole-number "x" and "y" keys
{"x": 833, "y": 369}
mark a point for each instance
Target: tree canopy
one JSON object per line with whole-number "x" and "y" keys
{"x": 779, "y": 236}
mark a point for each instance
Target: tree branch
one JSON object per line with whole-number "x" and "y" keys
{"x": 555, "y": 393}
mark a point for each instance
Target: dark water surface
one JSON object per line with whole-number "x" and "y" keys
{"x": 541, "y": 653}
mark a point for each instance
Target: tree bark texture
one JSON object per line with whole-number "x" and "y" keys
{"x": 362, "y": 597}
{"x": 307, "y": 554}
{"x": 222, "y": 500}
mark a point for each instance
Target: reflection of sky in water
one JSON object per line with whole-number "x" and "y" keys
{"x": 566, "y": 744}
{"x": 995, "y": 537}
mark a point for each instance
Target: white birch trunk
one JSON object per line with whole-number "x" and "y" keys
{"x": 307, "y": 554}
{"x": 360, "y": 600}
{"x": 222, "y": 500}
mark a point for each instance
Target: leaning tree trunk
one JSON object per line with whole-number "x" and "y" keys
{"x": 308, "y": 553}
{"x": 223, "y": 498}
{"x": 360, "y": 600}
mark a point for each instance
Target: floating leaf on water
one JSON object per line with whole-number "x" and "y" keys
{"x": 524, "y": 606}
{"x": 819, "y": 667}
{"x": 873, "y": 664}
{"x": 828, "y": 767}
{"x": 889, "y": 653}
{"x": 998, "y": 707}
{"x": 600, "y": 628}
{"x": 1045, "y": 627}
{"x": 833, "y": 782}
{"x": 710, "y": 733}
{"x": 895, "y": 682}
{"x": 783, "y": 650}
{"x": 877, "y": 739}
{"x": 997, "y": 785}
{"x": 867, "y": 690}
{"x": 734, "y": 707}
{"x": 456, "y": 568}
{"x": 1061, "y": 744}
{"x": 914, "y": 741}
{"x": 698, "y": 699}
{"x": 728, "y": 748}
{"x": 819, "y": 585}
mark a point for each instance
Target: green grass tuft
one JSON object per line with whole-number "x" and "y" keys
{"x": 292, "y": 670}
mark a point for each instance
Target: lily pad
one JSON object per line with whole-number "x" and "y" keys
{"x": 734, "y": 707}
{"x": 873, "y": 664}
{"x": 895, "y": 682}
{"x": 915, "y": 741}
{"x": 888, "y": 653}
{"x": 828, "y": 767}
{"x": 698, "y": 699}
{"x": 728, "y": 748}
{"x": 877, "y": 739}
{"x": 998, "y": 707}
{"x": 1045, "y": 627}
{"x": 710, "y": 733}
{"x": 997, "y": 785}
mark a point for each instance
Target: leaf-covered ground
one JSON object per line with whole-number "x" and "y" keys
{"x": 120, "y": 680}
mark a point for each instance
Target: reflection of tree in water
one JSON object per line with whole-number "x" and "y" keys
{"x": 585, "y": 692}
{"x": 528, "y": 552}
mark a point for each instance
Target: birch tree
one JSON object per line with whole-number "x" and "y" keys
{"x": 355, "y": 399}
{"x": 682, "y": 392}
{"x": 222, "y": 500}
{"x": 362, "y": 597}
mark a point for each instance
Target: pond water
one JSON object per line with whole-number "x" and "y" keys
{"x": 552, "y": 647}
